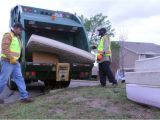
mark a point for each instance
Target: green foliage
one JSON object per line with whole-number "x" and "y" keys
{"x": 93, "y": 23}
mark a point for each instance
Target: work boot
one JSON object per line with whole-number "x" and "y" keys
{"x": 26, "y": 100}
{"x": 1, "y": 101}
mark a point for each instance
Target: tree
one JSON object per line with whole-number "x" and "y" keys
{"x": 93, "y": 23}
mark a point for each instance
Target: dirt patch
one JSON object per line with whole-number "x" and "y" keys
{"x": 61, "y": 95}
{"x": 113, "y": 108}
{"x": 96, "y": 103}
{"x": 78, "y": 99}
{"x": 56, "y": 111}
{"x": 139, "y": 112}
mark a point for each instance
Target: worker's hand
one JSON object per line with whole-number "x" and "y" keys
{"x": 108, "y": 52}
{"x": 99, "y": 57}
{"x": 13, "y": 60}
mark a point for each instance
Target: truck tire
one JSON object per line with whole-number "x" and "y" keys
{"x": 60, "y": 84}
{"x": 47, "y": 85}
{"x": 11, "y": 84}
{"x": 65, "y": 84}
{"x": 56, "y": 84}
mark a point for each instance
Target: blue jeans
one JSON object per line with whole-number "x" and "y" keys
{"x": 12, "y": 70}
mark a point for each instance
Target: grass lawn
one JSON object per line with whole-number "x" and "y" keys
{"x": 80, "y": 103}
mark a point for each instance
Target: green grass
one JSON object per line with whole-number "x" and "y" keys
{"x": 80, "y": 103}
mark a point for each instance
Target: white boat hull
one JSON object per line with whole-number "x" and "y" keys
{"x": 144, "y": 94}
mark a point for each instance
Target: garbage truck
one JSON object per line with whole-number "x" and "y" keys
{"x": 63, "y": 26}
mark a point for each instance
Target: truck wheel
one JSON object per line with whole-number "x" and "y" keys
{"x": 11, "y": 84}
{"x": 57, "y": 84}
{"x": 47, "y": 86}
{"x": 60, "y": 84}
{"x": 52, "y": 84}
{"x": 66, "y": 84}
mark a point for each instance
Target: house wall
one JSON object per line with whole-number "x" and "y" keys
{"x": 128, "y": 58}
{"x": 148, "y": 64}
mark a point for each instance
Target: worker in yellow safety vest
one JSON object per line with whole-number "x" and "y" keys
{"x": 10, "y": 66}
{"x": 104, "y": 55}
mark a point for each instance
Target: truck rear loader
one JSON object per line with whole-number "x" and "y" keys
{"x": 62, "y": 26}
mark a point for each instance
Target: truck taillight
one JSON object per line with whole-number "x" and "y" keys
{"x": 28, "y": 9}
{"x": 30, "y": 75}
{"x": 33, "y": 73}
{"x": 25, "y": 9}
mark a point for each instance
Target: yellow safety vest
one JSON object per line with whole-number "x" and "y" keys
{"x": 15, "y": 47}
{"x": 101, "y": 46}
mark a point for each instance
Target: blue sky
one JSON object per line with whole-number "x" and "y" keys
{"x": 137, "y": 20}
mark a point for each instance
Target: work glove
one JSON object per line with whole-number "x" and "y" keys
{"x": 99, "y": 57}
{"x": 108, "y": 52}
{"x": 13, "y": 60}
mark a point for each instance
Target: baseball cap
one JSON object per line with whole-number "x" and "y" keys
{"x": 102, "y": 29}
{"x": 18, "y": 25}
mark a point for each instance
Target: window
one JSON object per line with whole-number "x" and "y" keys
{"x": 149, "y": 56}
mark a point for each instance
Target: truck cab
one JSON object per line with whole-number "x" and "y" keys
{"x": 62, "y": 26}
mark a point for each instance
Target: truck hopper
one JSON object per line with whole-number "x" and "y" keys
{"x": 65, "y": 53}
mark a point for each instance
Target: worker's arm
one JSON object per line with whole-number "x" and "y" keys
{"x": 6, "y": 41}
{"x": 106, "y": 44}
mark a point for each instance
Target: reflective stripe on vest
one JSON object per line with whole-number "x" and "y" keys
{"x": 101, "y": 46}
{"x": 15, "y": 47}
